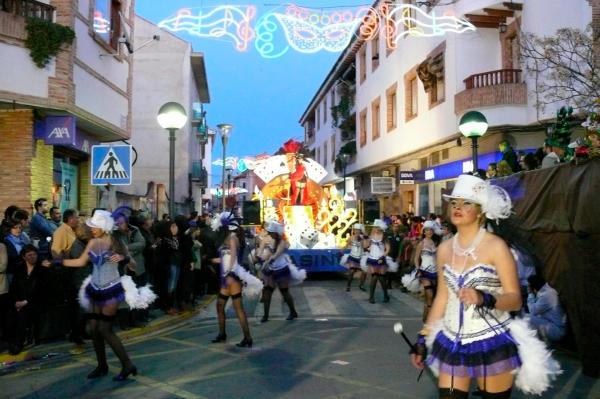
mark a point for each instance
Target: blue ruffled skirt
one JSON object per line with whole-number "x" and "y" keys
{"x": 491, "y": 356}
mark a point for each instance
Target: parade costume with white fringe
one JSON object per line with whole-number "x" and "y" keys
{"x": 282, "y": 270}
{"x": 105, "y": 286}
{"x": 251, "y": 286}
{"x": 472, "y": 343}
{"x": 428, "y": 267}
{"x": 377, "y": 260}
{"x": 482, "y": 341}
{"x": 352, "y": 260}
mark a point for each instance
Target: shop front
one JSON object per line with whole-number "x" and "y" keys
{"x": 62, "y": 163}
{"x": 432, "y": 182}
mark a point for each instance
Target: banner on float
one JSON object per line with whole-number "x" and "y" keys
{"x": 317, "y": 260}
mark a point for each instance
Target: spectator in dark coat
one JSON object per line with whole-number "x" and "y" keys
{"x": 27, "y": 296}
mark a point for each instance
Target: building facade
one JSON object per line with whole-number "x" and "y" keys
{"x": 407, "y": 100}
{"x": 51, "y": 114}
{"x": 167, "y": 69}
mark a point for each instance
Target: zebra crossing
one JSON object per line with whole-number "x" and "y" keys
{"x": 328, "y": 298}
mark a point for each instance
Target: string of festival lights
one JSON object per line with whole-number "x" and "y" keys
{"x": 310, "y": 30}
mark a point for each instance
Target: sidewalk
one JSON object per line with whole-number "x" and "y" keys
{"x": 40, "y": 355}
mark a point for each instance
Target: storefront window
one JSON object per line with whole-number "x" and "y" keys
{"x": 66, "y": 180}
{"x": 423, "y": 199}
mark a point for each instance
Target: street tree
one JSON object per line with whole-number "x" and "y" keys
{"x": 564, "y": 67}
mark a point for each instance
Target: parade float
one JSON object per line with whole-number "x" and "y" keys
{"x": 316, "y": 218}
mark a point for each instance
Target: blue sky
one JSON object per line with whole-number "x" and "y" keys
{"x": 262, "y": 98}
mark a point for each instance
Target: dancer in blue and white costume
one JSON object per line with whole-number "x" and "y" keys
{"x": 377, "y": 262}
{"x": 469, "y": 332}
{"x": 102, "y": 292}
{"x": 278, "y": 269}
{"x": 234, "y": 279}
{"x": 351, "y": 261}
{"x": 425, "y": 263}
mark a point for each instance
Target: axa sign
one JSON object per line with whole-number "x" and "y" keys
{"x": 57, "y": 130}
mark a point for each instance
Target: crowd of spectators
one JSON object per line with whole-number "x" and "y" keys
{"x": 38, "y": 302}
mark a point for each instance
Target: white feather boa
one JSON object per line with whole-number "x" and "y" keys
{"x": 344, "y": 260}
{"x": 136, "y": 298}
{"x": 538, "y": 368}
{"x": 297, "y": 275}
{"x": 411, "y": 282}
{"x": 252, "y": 286}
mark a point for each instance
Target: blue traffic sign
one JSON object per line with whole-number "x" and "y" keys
{"x": 111, "y": 164}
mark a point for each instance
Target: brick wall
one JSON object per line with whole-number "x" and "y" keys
{"x": 16, "y": 152}
{"x": 87, "y": 193}
{"x": 42, "y": 166}
{"x": 502, "y": 94}
{"x": 61, "y": 89}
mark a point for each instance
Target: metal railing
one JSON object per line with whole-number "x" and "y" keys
{"x": 492, "y": 78}
{"x": 199, "y": 173}
{"x": 28, "y": 9}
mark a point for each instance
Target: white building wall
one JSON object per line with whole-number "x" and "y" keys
{"x": 162, "y": 73}
{"x": 19, "y": 73}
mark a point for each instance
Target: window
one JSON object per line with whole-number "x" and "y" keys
{"x": 411, "y": 98}
{"x": 363, "y": 127}
{"x": 325, "y": 110}
{"x": 333, "y": 97}
{"x": 432, "y": 73}
{"x": 243, "y": 184}
{"x": 375, "y": 117}
{"x": 391, "y": 108}
{"x": 437, "y": 92}
{"x": 319, "y": 155}
{"x": 333, "y": 148}
{"x": 107, "y": 21}
{"x": 325, "y": 153}
{"x": 374, "y": 52}
{"x": 362, "y": 64}
{"x": 318, "y": 118}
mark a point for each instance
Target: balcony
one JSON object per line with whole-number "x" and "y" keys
{"x": 199, "y": 174}
{"x": 493, "y": 88}
{"x": 13, "y": 14}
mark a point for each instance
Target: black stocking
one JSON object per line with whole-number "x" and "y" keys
{"x": 241, "y": 315}
{"x": 447, "y": 393}
{"x": 497, "y": 395}
{"x": 266, "y": 296}
{"x": 106, "y": 331}
{"x": 98, "y": 341}
{"x": 350, "y": 278}
{"x": 372, "y": 287}
{"x": 221, "y": 301}
{"x": 285, "y": 292}
{"x": 363, "y": 278}
{"x": 383, "y": 282}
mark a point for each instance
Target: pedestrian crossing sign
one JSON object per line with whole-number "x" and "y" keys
{"x": 111, "y": 164}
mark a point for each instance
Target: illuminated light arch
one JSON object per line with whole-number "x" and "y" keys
{"x": 309, "y": 32}
{"x": 222, "y": 21}
{"x": 423, "y": 24}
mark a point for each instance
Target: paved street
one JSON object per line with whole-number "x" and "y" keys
{"x": 340, "y": 347}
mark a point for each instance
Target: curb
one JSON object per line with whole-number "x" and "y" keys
{"x": 35, "y": 356}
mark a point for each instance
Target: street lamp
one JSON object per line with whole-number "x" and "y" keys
{"x": 344, "y": 159}
{"x": 172, "y": 116}
{"x": 473, "y": 125}
{"x": 225, "y": 129}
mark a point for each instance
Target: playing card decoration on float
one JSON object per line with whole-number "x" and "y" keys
{"x": 314, "y": 217}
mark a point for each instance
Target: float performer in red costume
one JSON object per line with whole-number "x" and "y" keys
{"x": 298, "y": 178}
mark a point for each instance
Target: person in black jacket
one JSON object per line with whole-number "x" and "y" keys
{"x": 169, "y": 261}
{"x": 27, "y": 295}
